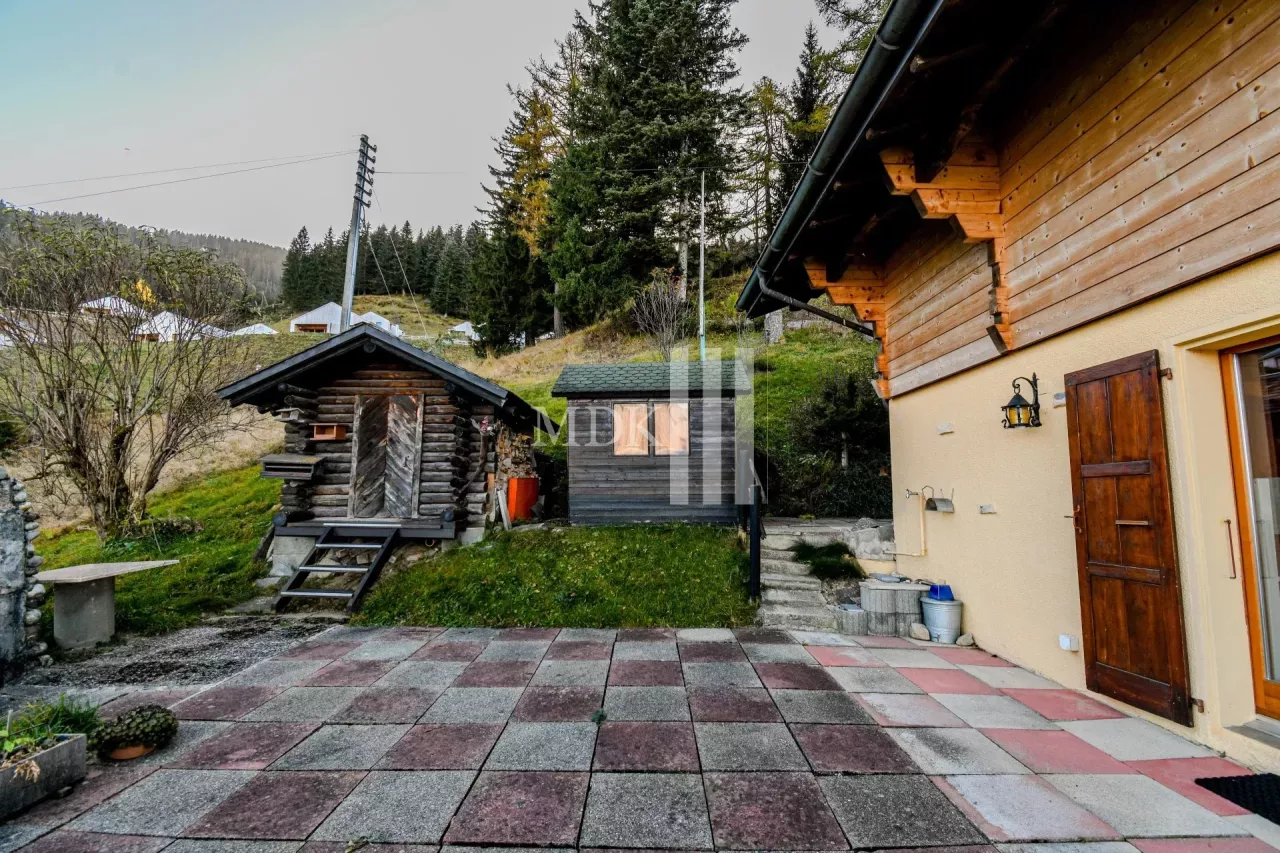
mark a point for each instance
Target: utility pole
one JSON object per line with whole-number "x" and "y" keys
{"x": 364, "y": 191}
{"x": 702, "y": 274}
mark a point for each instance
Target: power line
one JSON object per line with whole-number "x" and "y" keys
{"x": 164, "y": 171}
{"x": 184, "y": 180}
{"x": 391, "y": 232}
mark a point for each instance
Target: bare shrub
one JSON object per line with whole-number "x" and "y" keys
{"x": 109, "y": 407}
{"x": 662, "y": 311}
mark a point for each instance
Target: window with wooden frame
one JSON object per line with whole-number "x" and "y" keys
{"x": 312, "y": 327}
{"x": 670, "y": 429}
{"x": 630, "y": 429}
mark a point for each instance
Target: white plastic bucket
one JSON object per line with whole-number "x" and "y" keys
{"x": 942, "y": 618}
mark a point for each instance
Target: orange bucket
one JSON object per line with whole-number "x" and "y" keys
{"x": 522, "y": 493}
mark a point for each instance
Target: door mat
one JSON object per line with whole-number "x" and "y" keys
{"x": 1259, "y": 794}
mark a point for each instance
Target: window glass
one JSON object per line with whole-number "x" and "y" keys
{"x": 670, "y": 429}
{"x": 630, "y": 429}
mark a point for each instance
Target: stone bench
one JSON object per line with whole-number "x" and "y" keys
{"x": 84, "y": 608}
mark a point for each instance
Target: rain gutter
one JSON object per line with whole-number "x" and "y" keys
{"x": 904, "y": 25}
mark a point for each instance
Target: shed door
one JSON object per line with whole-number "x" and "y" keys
{"x": 386, "y": 456}
{"x": 1129, "y": 598}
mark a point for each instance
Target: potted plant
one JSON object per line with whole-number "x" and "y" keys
{"x": 135, "y": 733}
{"x": 42, "y": 751}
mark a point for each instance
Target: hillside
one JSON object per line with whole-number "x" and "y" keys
{"x": 261, "y": 262}
{"x": 793, "y": 382}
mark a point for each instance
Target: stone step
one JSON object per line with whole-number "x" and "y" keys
{"x": 784, "y": 567}
{"x": 779, "y": 581}
{"x": 793, "y": 597}
{"x": 776, "y": 554}
{"x": 805, "y": 618}
{"x": 787, "y": 541}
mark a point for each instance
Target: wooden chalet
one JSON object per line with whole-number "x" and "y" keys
{"x": 654, "y": 442}
{"x": 1077, "y": 202}
{"x": 383, "y": 442}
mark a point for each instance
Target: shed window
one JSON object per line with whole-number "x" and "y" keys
{"x": 670, "y": 429}
{"x": 630, "y": 429}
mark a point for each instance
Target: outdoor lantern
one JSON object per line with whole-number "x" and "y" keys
{"x": 1020, "y": 413}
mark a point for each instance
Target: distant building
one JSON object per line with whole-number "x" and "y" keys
{"x": 112, "y": 306}
{"x": 256, "y": 329}
{"x": 168, "y": 326}
{"x": 327, "y": 320}
{"x": 463, "y": 332}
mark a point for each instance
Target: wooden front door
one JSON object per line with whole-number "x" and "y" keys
{"x": 386, "y": 456}
{"x": 1130, "y": 602}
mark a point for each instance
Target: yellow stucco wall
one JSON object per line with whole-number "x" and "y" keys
{"x": 1016, "y": 569}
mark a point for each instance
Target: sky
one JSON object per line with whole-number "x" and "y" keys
{"x": 93, "y": 89}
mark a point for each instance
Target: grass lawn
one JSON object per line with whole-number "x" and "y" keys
{"x": 596, "y": 577}
{"x": 216, "y": 569}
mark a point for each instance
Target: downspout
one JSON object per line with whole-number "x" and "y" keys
{"x": 878, "y": 71}
{"x": 798, "y": 305}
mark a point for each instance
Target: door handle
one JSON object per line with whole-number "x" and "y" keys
{"x": 1231, "y": 548}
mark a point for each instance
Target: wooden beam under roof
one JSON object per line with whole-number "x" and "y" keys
{"x": 936, "y": 153}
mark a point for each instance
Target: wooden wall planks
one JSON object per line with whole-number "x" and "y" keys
{"x": 609, "y": 489}
{"x": 1133, "y": 167}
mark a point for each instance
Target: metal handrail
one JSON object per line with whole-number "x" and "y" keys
{"x": 755, "y": 533}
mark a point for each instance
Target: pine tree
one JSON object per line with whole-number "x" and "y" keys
{"x": 810, "y": 102}
{"x": 765, "y": 147}
{"x": 296, "y": 280}
{"x": 654, "y": 109}
{"x": 857, "y": 20}
{"x": 509, "y": 303}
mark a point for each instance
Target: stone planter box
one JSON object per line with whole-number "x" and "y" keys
{"x": 60, "y": 766}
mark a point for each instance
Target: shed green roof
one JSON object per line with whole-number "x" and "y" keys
{"x": 651, "y": 378}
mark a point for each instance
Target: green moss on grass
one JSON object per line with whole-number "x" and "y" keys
{"x": 215, "y": 568}
{"x": 596, "y": 577}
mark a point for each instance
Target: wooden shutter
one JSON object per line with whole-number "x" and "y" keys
{"x": 670, "y": 429}
{"x": 631, "y": 429}
{"x": 1130, "y": 601}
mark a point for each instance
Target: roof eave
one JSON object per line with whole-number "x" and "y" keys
{"x": 262, "y": 383}
{"x": 904, "y": 25}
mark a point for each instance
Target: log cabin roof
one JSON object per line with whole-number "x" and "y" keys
{"x": 356, "y": 344}
{"x": 935, "y": 71}
{"x": 651, "y": 379}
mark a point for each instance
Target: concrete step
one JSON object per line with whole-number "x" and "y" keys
{"x": 805, "y": 618}
{"x": 793, "y": 597}
{"x": 784, "y": 567}
{"x": 779, "y": 581}
{"x": 783, "y": 540}
{"x": 776, "y": 554}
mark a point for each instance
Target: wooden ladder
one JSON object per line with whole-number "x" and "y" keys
{"x": 379, "y": 540}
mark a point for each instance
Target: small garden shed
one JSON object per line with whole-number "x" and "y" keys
{"x": 656, "y": 442}
{"x": 379, "y": 432}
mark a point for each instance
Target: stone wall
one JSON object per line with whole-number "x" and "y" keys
{"x": 20, "y": 595}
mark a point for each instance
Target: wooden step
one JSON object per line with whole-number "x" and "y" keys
{"x": 336, "y": 569}
{"x": 315, "y": 593}
{"x": 360, "y": 546}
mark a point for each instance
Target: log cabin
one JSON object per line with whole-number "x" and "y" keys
{"x": 384, "y": 442}
{"x": 1059, "y": 220}
{"x": 655, "y": 442}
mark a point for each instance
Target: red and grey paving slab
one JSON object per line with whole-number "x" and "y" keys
{"x": 409, "y": 740}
